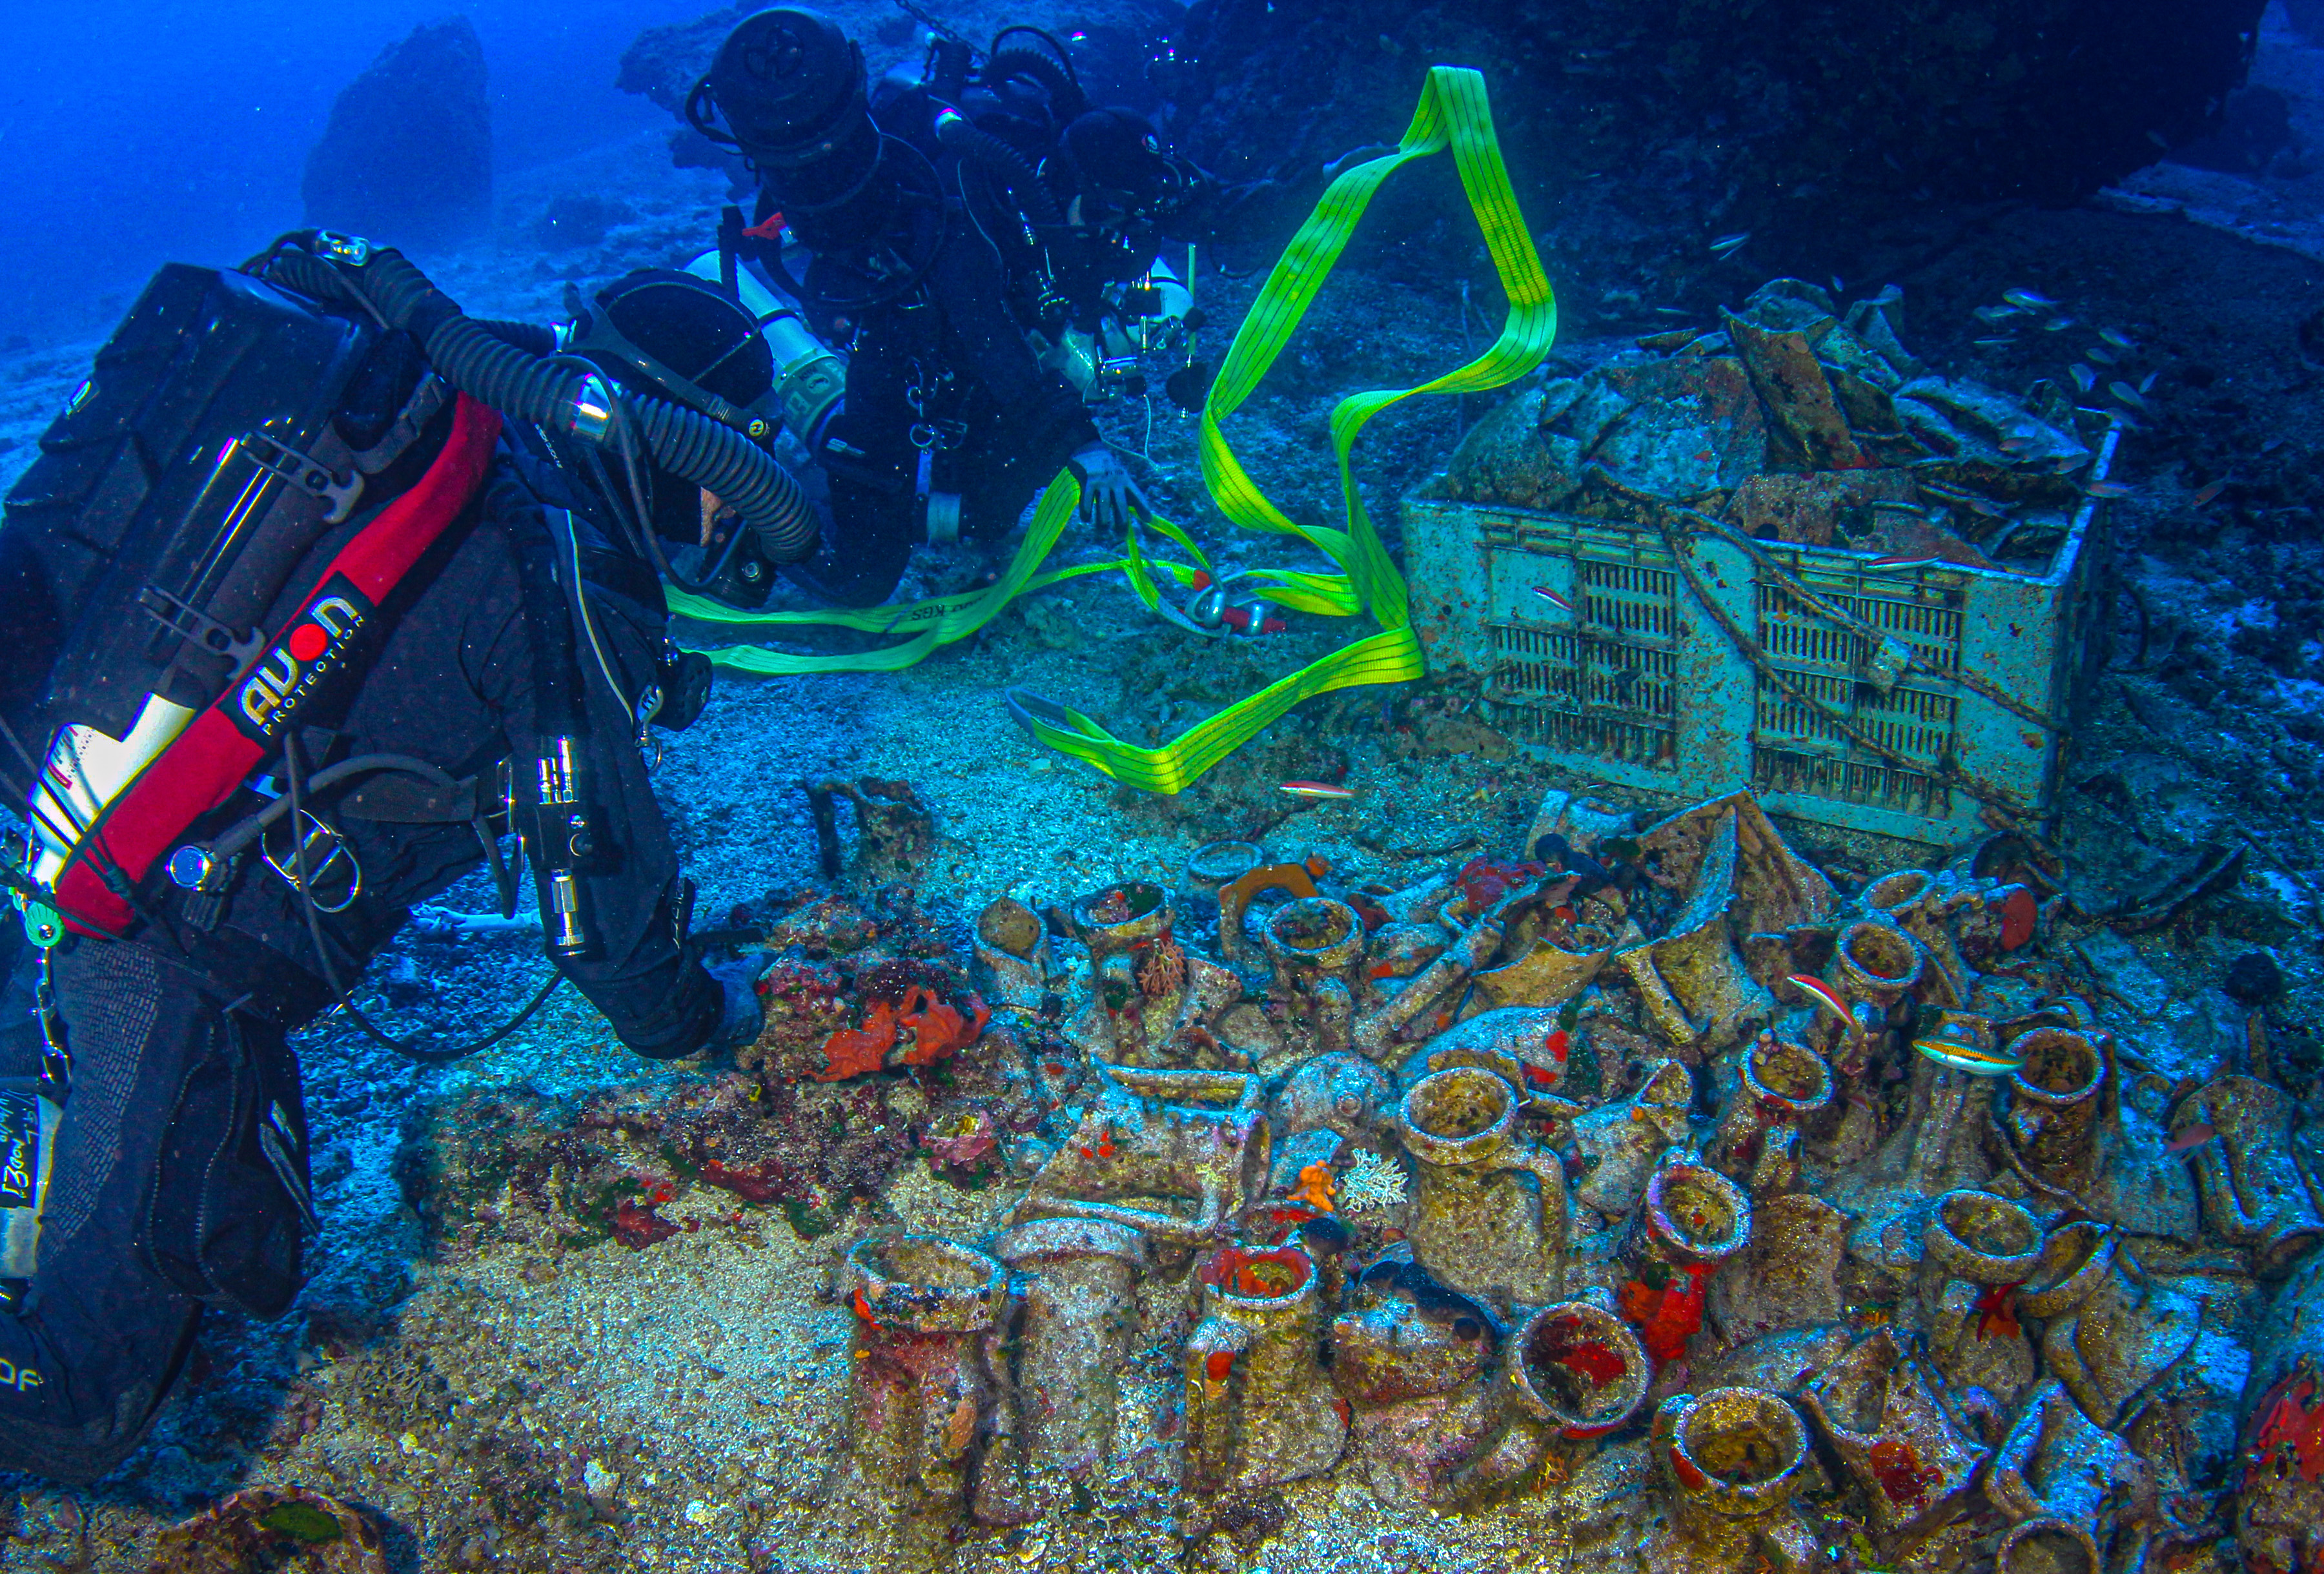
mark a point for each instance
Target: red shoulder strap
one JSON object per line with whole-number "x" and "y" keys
{"x": 221, "y": 745}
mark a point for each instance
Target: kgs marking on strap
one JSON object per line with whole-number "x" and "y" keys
{"x": 310, "y": 647}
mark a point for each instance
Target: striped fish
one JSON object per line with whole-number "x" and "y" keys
{"x": 1968, "y": 1057}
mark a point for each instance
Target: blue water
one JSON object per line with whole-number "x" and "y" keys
{"x": 130, "y": 135}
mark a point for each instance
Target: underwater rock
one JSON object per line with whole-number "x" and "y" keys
{"x": 273, "y": 1527}
{"x": 407, "y": 157}
{"x": 1841, "y": 119}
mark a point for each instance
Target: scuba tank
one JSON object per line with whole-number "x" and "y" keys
{"x": 810, "y": 376}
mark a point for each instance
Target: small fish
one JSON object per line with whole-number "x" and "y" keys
{"x": 2127, "y": 394}
{"x": 2147, "y": 383}
{"x": 1992, "y": 343}
{"x": 1553, "y": 598}
{"x": 1968, "y": 1057}
{"x": 2188, "y": 1136}
{"x": 1824, "y": 995}
{"x": 2101, "y": 355}
{"x": 1728, "y": 245}
{"x": 1323, "y": 791}
{"x": 2210, "y": 493}
{"x": 2027, "y": 300}
{"x": 1671, "y": 311}
{"x": 2105, "y": 489}
{"x": 2084, "y": 378}
{"x": 2057, "y": 325}
{"x": 2118, "y": 338}
{"x": 1894, "y": 564}
{"x": 1997, "y": 314}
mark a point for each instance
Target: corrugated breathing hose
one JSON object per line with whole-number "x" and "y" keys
{"x": 1004, "y": 163}
{"x": 1064, "y": 91}
{"x": 505, "y": 366}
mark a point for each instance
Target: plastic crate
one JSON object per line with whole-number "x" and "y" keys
{"x": 1638, "y": 687}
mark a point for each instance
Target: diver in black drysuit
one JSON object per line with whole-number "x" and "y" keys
{"x": 174, "y": 1034}
{"x": 1044, "y": 204}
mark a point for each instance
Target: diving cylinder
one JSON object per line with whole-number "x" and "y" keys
{"x": 810, "y": 376}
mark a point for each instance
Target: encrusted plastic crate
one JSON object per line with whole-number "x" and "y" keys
{"x": 1637, "y": 687}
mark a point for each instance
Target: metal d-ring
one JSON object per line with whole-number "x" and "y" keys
{"x": 285, "y": 862}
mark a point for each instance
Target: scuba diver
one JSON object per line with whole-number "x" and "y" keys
{"x": 982, "y": 243}
{"x": 319, "y": 588}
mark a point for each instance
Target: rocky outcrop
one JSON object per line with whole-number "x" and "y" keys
{"x": 408, "y": 155}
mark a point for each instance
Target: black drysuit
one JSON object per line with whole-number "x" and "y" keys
{"x": 175, "y": 1038}
{"x": 945, "y": 371}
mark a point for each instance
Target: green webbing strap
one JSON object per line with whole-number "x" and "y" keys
{"x": 1453, "y": 111}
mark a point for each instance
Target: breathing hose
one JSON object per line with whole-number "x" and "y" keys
{"x": 505, "y": 365}
{"x": 1046, "y": 60}
{"x": 1004, "y": 163}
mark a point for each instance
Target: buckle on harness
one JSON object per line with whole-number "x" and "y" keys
{"x": 192, "y": 624}
{"x": 317, "y": 834}
{"x": 304, "y": 472}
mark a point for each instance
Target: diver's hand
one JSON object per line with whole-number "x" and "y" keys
{"x": 743, "y": 1017}
{"x": 1109, "y": 496}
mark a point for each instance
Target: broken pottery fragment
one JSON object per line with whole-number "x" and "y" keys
{"x": 1695, "y": 985}
{"x": 2252, "y": 1192}
{"x": 1526, "y": 1046}
{"x": 1787, "y": 1276}
{"x": 1621, "y": 1140}
{"x": 2109, "y": 1329}
{"x": 2055, "y": 1463}
{"x": 1879, "y": 1410}
{"x": 1175, "y": 1153}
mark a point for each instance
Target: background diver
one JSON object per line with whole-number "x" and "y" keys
{"x": 983, "y": 242}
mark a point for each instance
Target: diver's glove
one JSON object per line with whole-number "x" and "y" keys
{"x": 1109, "y": 496}
{"x": 743, "y": 1017}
